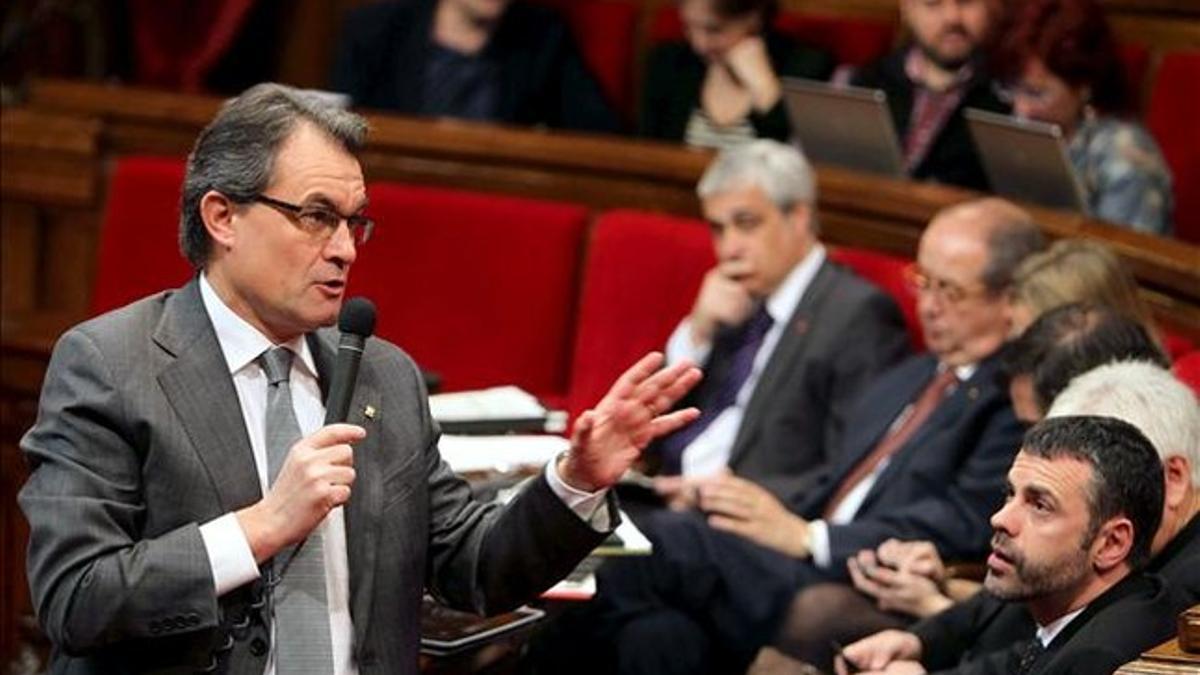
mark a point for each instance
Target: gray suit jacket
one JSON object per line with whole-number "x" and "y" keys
{"x": 140, "y": 439}
{"x": 841, "y": 335}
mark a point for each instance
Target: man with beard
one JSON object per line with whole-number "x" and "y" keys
{"x": 1082, "y": 507}
{"x": 494, "y": 60}
{"x": 929, "y": 82}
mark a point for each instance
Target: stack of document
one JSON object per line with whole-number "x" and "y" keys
{"x": 498, "y": 410}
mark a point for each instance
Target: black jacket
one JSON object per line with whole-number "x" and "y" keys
{"x": 952, "y": 157}
{"x": 385, "y": 47}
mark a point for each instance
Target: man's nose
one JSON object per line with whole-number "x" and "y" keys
{"x": 341, "y": 246}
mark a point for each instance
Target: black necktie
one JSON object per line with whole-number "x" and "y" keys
{"x": 1029, "y": 655}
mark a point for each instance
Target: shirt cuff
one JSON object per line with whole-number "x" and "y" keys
{"x": 229, "y": 553}
{"x": 680, "y": 346}
{"x": 589, "y": 506}
{"x": 818, "y": 543}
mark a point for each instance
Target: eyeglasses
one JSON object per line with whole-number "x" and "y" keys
{"x": 950, "y": 292}
{"x": 1008, "y": 93}
{"x": 321, "y": 222}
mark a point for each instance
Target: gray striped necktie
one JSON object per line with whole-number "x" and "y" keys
{"x": 302, "y": 640}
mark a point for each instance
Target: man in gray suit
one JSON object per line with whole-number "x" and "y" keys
{"x": 787, "y": 338}
{"x": 176, "y": 526}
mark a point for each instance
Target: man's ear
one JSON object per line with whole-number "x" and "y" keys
{"x": 217, "y": 212}
{"x": 800, "y": 219}
{"x": 1178, "y": 474}
{"x": 1113, "y": 543}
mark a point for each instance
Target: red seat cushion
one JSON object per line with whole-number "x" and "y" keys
{"x": 641, "y": 277}
{"x": 886, "y": 272}
{"x": 1176, "y": 345}
{"x": 1187, "y": 369}
{"x": 479, "y": 288}
{"x": 1172, "y": 114}
{"x": 604, "y": 31}
{"x": 139, "y": 237}
{"x": 851, "y": 40}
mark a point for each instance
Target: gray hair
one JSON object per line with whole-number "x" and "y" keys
{"x": 235, "y": 153}
{"x": 777, "y": 169}
{"x": 1144, "y": 395}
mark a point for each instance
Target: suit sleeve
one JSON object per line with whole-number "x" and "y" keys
{"x": 955, "y": 516}
{"x": 95, "y": 579}
{"x": 877, "y": 339}
{"x": 489, "y": 559}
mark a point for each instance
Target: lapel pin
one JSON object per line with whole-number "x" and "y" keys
{"x": 369, "y": 412}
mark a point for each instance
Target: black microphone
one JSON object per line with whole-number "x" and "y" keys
{"x": 357, "y": 323}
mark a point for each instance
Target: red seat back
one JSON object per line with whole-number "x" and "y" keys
{"x": 641, "y": 277}
{"x": 851, "y": 40}
{"x": 1135, "y": 61}
{"x": 478, "y": 288}
{"x": 605, "y": 32}
{"x": 139, "y": 237}
{"x": 1187, "y": 369}
{"x": 886, "y": 272}
{"x": 1172, "y": 117}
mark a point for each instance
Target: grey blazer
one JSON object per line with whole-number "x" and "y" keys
{"x": 139, "y": 440}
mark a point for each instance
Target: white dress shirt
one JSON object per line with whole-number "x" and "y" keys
{"x": 1047, "y": 633}
{"x": 818, "y": 530}
{"x": 709, "y": 452}
{"x": 228, "y": 550}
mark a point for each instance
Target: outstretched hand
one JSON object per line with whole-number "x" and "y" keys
{"x": 608, "y": 438}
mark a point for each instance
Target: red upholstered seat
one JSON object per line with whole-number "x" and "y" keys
{"x": 479, "y": 288}
{"x": 1172, "y": 117}
{"x": 139, "y": 237}
{"x": 604, "y": 31}
{"x": 886, "y": 272}
{"x": 851, "y": 40}
{"x": 1187, "y": 368}
{"x": 640, "y": 278}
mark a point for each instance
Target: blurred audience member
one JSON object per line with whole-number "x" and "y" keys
{"x": 1061, "y": 65}
{"x": 720, "y": 86}
{"x": 930, "y": 81}
{"x": 1075, "y": 270}
{"x": 495, "y": 60}
{"x": 1066, "y": 342}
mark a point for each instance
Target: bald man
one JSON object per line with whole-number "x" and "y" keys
{"x": 924, "y": 455}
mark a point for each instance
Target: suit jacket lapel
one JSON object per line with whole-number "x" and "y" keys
{"x": 906, "y": 392}
{"x": 778, "y": 368}
{"x": 362, "y": 513}
{"x": 200, "y": 390}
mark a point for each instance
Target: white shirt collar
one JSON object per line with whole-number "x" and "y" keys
{"x": 241, "y": 343}
{"x": 783, "y": 301}
{"x": 1047, "y": 633}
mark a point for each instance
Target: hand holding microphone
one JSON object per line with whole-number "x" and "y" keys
{"x": 318, "y": 473}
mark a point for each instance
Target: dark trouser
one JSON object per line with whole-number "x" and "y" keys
{"x": 704, "y": 602}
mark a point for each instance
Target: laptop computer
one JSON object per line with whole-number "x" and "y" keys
{"x": 1026, "y": 160}
{"x": 844, "y": 126}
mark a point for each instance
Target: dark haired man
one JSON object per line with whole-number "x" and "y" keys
{"x": 932, "y": 80}
{"x": 1083, "y": 504}
{"x": 189, "y": 509}
{"x": 1066, "y": 342}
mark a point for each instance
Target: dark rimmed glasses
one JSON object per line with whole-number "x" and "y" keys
{"x": 319, "y": 221}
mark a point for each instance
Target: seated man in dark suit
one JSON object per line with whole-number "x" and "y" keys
{"x": 787, "y": 338}
{"x": 1166, "y": 411}
{"x": 495, "y": 60}
{"x": 902, "y": 580}
{"x": 932, "y": 80}
{"x": 924, "y": 453}
{"x": 1083, "y": 504}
